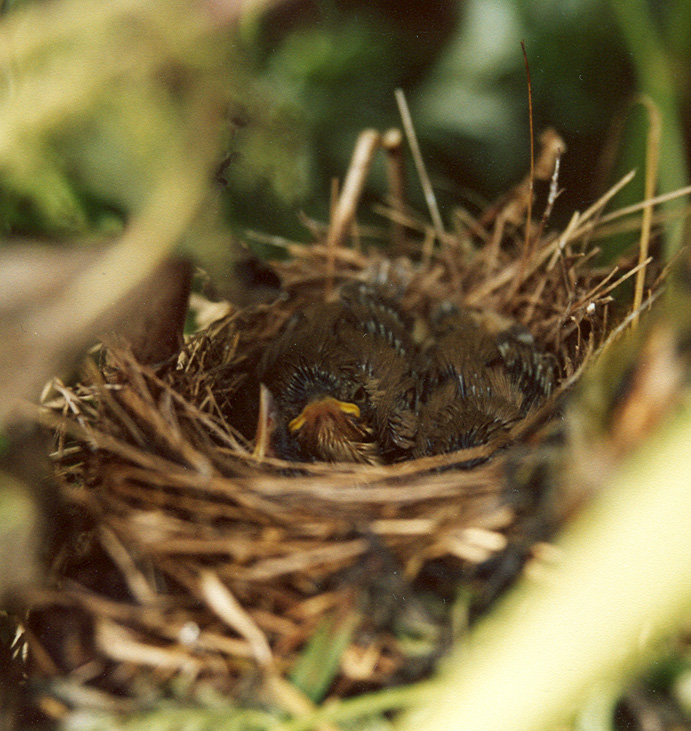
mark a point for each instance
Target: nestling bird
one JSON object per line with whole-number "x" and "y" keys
{"x": 343, "y": 380}
{"x": 349, "y": 383}
{"x": 483, "y": 374}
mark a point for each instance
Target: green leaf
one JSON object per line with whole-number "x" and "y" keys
{"x": 653, "y": 67}
{"x": 317, "y": 666}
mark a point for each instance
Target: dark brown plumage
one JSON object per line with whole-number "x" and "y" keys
{"x": 483, "y": 374}
{"x": 342, "y": 375}
{"x": 349, "y": 384}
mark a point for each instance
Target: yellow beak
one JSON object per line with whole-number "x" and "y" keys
{"x": 326, "y": 406}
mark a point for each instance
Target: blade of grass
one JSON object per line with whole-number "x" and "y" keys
{"x": 651, "y": 173}
{"x": 317, "y": 666}
{"x": 655, "y": 79}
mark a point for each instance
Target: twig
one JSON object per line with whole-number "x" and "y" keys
{"x": 344, "y": 213}
{"x": 554, "y": 192}
{"x": 392, "y": 142}
{"x": 264, "y": 424}
{"x": 219, "y": 599}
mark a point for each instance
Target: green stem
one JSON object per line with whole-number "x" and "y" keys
{"x": 655, "y": 79}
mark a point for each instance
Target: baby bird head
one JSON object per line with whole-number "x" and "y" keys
{"x": 341, "y": 376}
{"x": 333, "y": 431}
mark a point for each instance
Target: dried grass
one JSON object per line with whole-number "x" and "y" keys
{"x": 191, "y": 557}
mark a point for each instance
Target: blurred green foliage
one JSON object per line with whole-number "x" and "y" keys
{"x": 578, "y": 72}
{"x": 319, "y": 663}
{"x": 327, "y": 71}
{"x": 335, "y": 64}
{"x": 309, "y": 75}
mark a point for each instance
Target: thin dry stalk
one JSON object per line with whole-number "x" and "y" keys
{"x": 392, "y": 142}
{"x": 428, "y": 190}
{"x": 344, "y": 212}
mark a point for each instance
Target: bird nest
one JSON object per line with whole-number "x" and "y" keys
{"x": 192, "y": 559}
